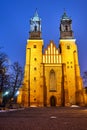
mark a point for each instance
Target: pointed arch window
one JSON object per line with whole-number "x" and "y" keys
{"x": 35, "y": 28}
{"x": 66, "y": 28}
{"x": 52, "y": 80}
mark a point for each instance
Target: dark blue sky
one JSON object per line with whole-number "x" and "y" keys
{"x": 14, "y": 25}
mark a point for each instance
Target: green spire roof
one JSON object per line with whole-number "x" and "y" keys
{"x": 36, "y": 16}
{"x": 65, "y": 17}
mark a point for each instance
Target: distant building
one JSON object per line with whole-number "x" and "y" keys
{"x": 52, "y": 77}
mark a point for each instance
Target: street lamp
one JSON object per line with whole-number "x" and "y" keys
{"x": 16, "y": 94}
{"x": 6, "y": 93}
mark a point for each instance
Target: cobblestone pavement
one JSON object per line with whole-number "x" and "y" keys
{"x": 47, "y": 118}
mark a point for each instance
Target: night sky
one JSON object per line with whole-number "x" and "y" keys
{"x": 14, "y": 25}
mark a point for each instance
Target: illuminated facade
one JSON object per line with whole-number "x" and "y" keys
{"x": 52, "y": 77}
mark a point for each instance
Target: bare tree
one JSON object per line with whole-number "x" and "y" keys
{"x": 85, "y": 78}
{"x": 10, "y": 81}
{"x": 4, "y": 84}
{"x": 16, "y": 77}
{"x": 85, "y": 81}
{"x": 3, "y": 69}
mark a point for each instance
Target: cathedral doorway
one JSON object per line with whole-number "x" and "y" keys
{"x": 53, "y": 101}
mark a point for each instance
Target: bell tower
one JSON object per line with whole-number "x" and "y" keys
{"x": 71, "y": 68}
{"x": 66, "y": 27}
{"x": 32, "y": 89}
{"x": 35, "y": 27}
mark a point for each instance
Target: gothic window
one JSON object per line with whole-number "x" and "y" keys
{"x": 66, "y": 28}
{"x": 34, "y": 99}
{"x": 34, "y": 78}
{"x": 52, "y": 80}
{"x": 35, "y": 28}
{"x": 35, "y": 59}
{"x": 34, "y": 46}
{"x": 35, "y": 68}
{"x": 68, "y": 47}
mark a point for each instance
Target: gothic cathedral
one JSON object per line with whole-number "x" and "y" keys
{"x": 52, "y": 77}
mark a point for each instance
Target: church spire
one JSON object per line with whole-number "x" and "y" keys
{"x": 66, "y": 27}
{"x": 64, "y": 16}
{"x": 36, "y": 13}
{"x": 35, "y": 27}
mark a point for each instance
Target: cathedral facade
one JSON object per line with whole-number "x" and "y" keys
{"x": 52, "y": 77}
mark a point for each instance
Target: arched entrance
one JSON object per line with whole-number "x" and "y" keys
{"x": 53, "y": 101}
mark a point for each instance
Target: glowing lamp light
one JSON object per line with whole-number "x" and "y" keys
{"x": 6, "y": 93}
{"x": 17, "y": 93}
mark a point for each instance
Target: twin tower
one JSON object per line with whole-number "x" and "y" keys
{"x": 51, "y": 78}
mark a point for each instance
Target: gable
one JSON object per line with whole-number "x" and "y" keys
{"x": 51, "y": 54}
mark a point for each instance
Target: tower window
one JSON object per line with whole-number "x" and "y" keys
{"x": 35, "y": 68}
{"x": 67, "y": 66}
{"x": 66, "y": 28}
{"x": 35, "y": 59}
{"x": 34, "y": 46}
{"x": 34, "y": 78}
{"x": 34, "y": 99}
{"x": 68, "y": 47}
{"x": 35, "y": 28}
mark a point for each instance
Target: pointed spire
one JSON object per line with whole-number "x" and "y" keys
{"x": 64, "y": 16}
{"x": 36, "y": 13}
{"x": 35, "y": 26}
{"x": 36, "y": 16}
{"x": 66, "y": 27}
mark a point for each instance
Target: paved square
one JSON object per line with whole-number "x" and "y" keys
{"x": 47, "y": 118}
